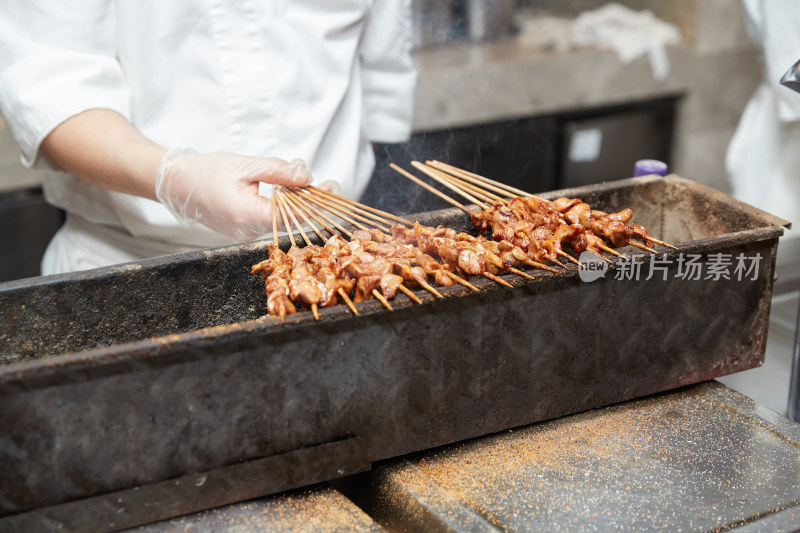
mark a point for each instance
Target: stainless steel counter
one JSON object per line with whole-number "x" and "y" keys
{"x": 703, "y": 458}
{"x": 473, "y": 83}
{"x": 318, "y": 509}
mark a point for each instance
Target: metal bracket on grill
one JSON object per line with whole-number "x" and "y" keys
{"x": 196, "y": 492}
{"x": 792, "y": 78}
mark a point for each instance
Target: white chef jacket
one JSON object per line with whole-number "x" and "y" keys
{"x": 310, "y": 79}
{"x": 764, "y": 153}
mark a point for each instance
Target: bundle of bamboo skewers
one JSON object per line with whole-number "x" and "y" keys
{"x": 386, "y": 254}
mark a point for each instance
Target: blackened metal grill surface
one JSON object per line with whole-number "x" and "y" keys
{"x": 187, "y": 400}
{"x": 183, "y": 293}
{"x": 167, "y": 295}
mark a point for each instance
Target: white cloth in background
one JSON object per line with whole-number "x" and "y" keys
{"x": 306, "y": 79}
{"x": 631, "y": 34}
{"x": 763, "y": 158}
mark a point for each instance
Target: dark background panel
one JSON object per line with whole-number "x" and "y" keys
{"x": 28, "y": 223}
{"x": 533, "y": 154}
{"x": 520, "y": 152}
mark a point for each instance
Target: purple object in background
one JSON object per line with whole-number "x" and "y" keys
{"x": 645, "y": 167}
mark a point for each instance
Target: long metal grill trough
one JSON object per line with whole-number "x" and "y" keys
{"x": 134, "y": 393}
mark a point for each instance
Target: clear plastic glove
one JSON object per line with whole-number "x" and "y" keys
{"x": 220, "y": 189}
{"x": 331, "y": 186}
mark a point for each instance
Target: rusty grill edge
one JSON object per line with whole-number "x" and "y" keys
{"x": 128, "y": 377}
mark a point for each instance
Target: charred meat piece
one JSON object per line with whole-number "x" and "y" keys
{"x": 361, "y": 235}
{"x": 366, "y": 284}
{"x": 303, "y": 285}
{"x": 471, "y": 262}
{"x": 563, "y": 204}
{"x": 412, "y": 275}
{"x": 389, "y": 284}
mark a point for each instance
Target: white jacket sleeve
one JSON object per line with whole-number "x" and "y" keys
{"x": 781, "y": 51}
{"x": 57, "y": 59}
{"x": 389, "y": 76}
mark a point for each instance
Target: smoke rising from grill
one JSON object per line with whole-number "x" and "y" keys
{"x": 517, "y": 152}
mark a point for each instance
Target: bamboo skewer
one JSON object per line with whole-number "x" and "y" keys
{"x": 405, "y": 290}
{"x": 282, "y": 198}
{"x": 314, "y": 307}
{"x": 511, "y": 191}
{"x": 300, "y": 211}
{"x": 662, "y": 243}
{"x": 383, "y": 220}
{"x": 337, "y": 210}
{"x": 434, "y": 174}
{"x": 345, "y": 205}
{"x": 510, "y": 269}
{"x": 321, "y": 205}
{"x": 562, "y": 253}
{"x": 609, "y": 250}
{"x": 310, "y": 207}
{"x": 282, "y": 310}
{"x": 497, "y": 280}
{"x": 467, "y": 190}
{"x": 461, "y": 281}
{"x": 537, "y": 264}
{"x": 469, "y": 197}
{"x": 444, "y": 181}
{"x": 519, "y": 272}
{"x": 339, "y": 213}
{"x": 456, "y": 173}
{"x": 465, "y": 185}
{"x": 310, "y": 202}
{"x": 372, "y": 223}
{"x": 377, "y": 218}
{"x": 347, "y": 300}
{"x": 384, "y": 214}
{"x": 464, "y": 175}
{"x": 435, "y": 191}
{"x": 642, "y": 246}
{"x": 453, "y": 276}
{"x": 274, "y": 220}
{"x": 378, "y": 296}
{"x": 275, "y": 194}
{"x": 425, "y": 285}
{"x": 285, "y": 205}
{"x": 466, "y": 196}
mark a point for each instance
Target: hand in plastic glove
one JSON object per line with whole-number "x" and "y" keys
{"x": 220, "y": 189}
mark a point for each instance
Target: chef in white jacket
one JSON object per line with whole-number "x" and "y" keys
{"x": 763, "y": 157}
{"x": 157, "y": 120}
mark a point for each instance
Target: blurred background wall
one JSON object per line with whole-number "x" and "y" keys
{"x": 527, "y": 113}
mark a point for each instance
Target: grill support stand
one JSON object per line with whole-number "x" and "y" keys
{"x": 794, "y": 386}
{"x": 197, "y": 492}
